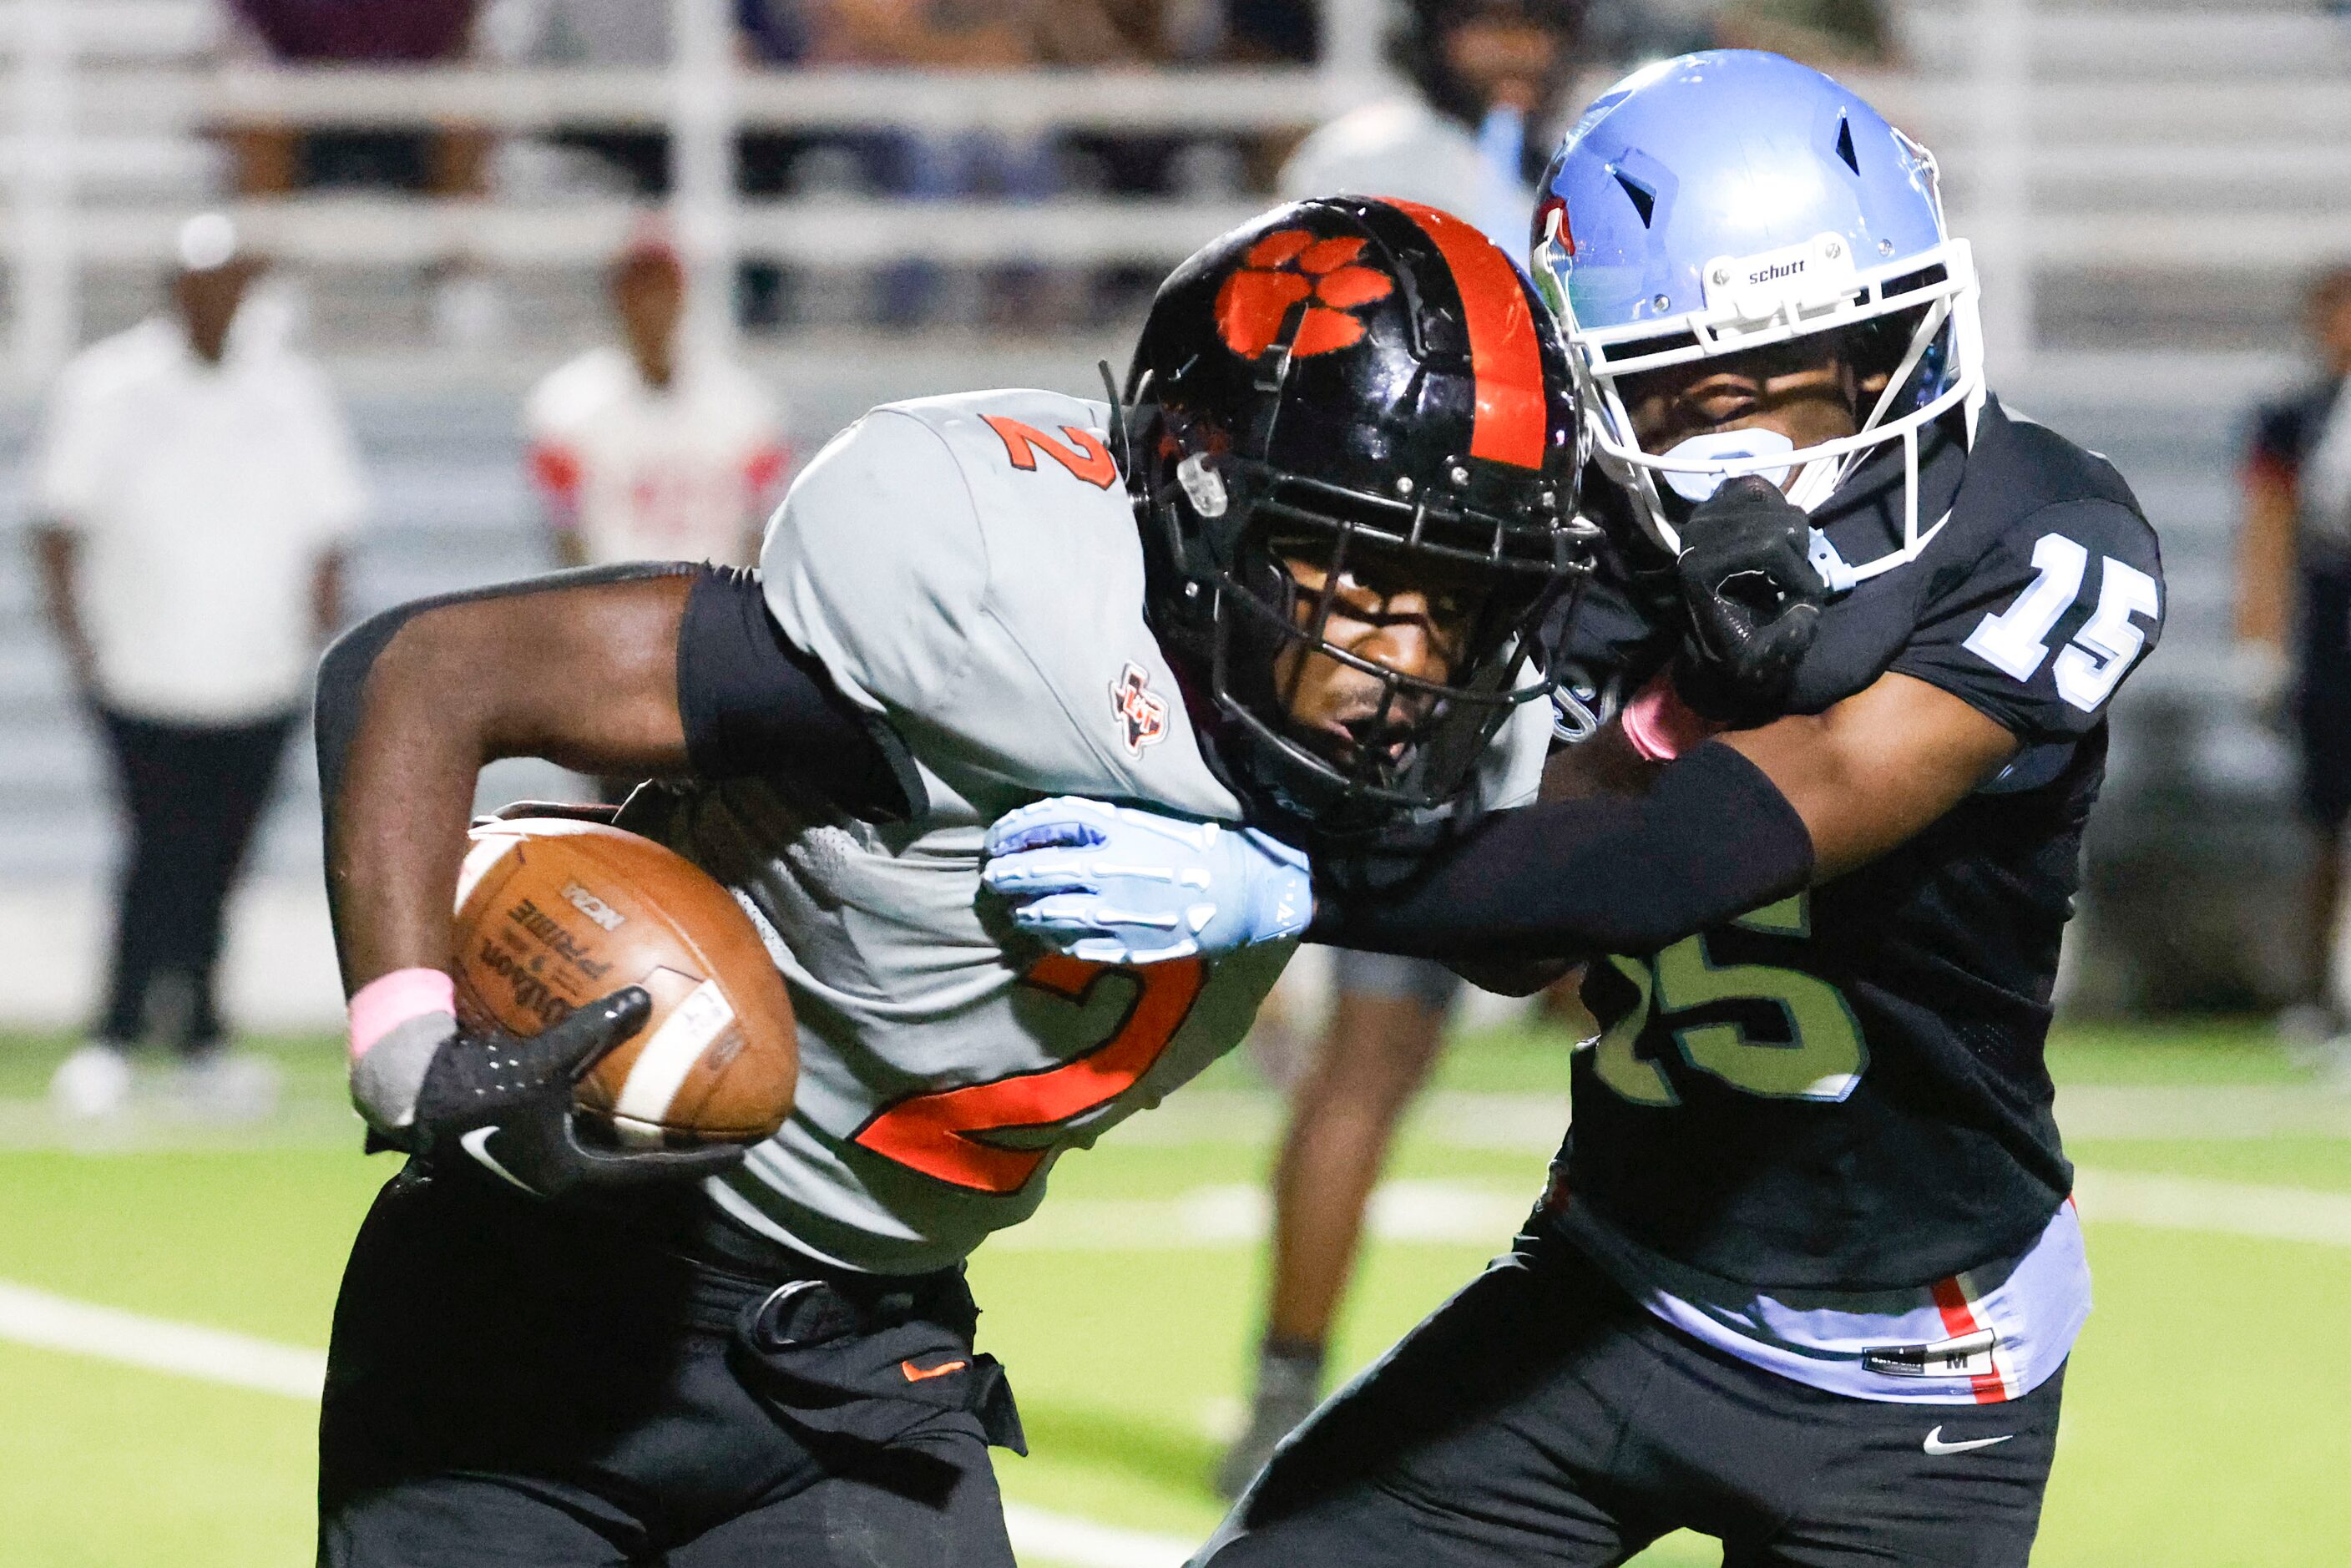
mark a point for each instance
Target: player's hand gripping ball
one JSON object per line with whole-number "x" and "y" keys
{"x": 556, "y": 915}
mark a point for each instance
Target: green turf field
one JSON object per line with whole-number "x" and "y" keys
{"x": 2206, "y": 1416}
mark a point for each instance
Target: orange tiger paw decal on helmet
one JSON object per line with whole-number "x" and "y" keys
{"x": 1289, "y": 266}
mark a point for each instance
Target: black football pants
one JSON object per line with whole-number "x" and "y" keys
{"x": 1540, "y": 1417}
{"x": 193, "y": 794}
{"x": 511, "y": 1386}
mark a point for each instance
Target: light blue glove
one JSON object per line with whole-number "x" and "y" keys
{"x": 1112, "y": 884}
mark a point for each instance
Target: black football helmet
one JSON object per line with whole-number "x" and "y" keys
{"x": 1352, "y": 380}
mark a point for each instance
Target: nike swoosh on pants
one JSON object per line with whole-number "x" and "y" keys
{"x": 1934, "y": 1444}
{"x": 918, "y": 1374}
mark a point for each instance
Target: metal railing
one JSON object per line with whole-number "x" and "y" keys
{"x": 2202, "y": 156}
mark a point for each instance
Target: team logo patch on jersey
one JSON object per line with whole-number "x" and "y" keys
{"x": 1141, "y": 713}
{"x": 1284, "y": 268}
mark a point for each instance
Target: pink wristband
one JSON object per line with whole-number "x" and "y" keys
{"x": 1660, "y": 726}
{"x": 386, "y": 1002}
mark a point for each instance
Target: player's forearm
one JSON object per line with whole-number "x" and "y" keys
{"x": 2265, "y": 564}
{"x": 414, "y": 703}
{"x": 1566, "y": 878}
{"x": 327, "y": 595}
{"x": 396, "y": 825}
{"x": 1603, "y": 765}
{"x": 60, "y": 556}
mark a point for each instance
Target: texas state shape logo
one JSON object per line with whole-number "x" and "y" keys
{"x": 1141, "y": 713}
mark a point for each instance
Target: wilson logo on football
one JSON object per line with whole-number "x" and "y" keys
{"x": 1141, "y": 713}
{"x": 1286, "y": 267}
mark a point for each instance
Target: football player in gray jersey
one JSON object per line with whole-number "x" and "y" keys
{"x": 1286, "y": 589}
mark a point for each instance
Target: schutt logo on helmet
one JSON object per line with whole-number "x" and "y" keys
{"x": 1284, "y": 268}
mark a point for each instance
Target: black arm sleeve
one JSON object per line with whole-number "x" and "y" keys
{"x": 343, "y": 670}
{"x": 756, "y": 704}
{"x": 1711, "y": 841}
{"x": 752, "y": 704}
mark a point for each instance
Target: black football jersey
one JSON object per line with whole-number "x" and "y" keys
{"x": 1847, "y": 1090}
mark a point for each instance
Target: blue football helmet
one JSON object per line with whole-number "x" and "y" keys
{"x": 1731, "y": 199}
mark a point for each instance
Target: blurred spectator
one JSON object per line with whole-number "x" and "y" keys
{"x": 273, "y": 160}
{"x": 1470, "y": 137}
{"x": 597, "y": 35}
{"x": 1273, "y": 32}
{"x": 1618, "y": 34}
{"x": 1484, "y": 71}
{"x": 1827, "y": 34}
{"x": 647, "y": 450}
{"x": 2294, "y": 621}
{"x": 195, "y": 487}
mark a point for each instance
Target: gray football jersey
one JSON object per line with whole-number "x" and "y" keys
{"x": 968, "y": 567}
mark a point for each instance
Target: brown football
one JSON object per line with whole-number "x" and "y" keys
{"x": 554, "y": 913}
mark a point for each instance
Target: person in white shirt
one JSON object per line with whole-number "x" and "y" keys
{"x": 195, "y": 487}
{"x": 1485, "y": 74}
{"x": 649, "y": 450}
{"x": 1486, "y": 77}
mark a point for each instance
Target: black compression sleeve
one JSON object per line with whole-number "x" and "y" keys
{"x": 343, "y": 670}
{"x": 755, "y": 705}
{"x": 1712, "y": 840}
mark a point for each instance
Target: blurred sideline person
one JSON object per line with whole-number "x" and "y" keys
{"x": 272, "y": 160}
{"x": 1483, "y": 72}
{"x": 1827, "y": 34}
{"x": 2294, "y": 622}
{"x": 195, "y": 487}
{"x": 650, "y": 449}
{"x": 1486, "y": 77}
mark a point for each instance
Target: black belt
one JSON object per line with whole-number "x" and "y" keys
{"x": 871, "y": 1359}
{"x": 832, "y": 1350}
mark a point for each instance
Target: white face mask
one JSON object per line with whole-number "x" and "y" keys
{"x": 1721, "y": 446}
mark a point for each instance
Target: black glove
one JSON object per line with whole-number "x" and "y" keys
{"x": 1753, "y": 598}
{"x": 506, "y": 1101}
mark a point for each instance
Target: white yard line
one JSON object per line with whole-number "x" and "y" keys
{"x": 1082, "y": 1544}
{"x": 1459, "y": 1213}
{"x": 1502, "y": 1123}
{"x": 50, "y": 1322}
{"x": 83, "y": 1328}
{"x": 1534, "y": 1123}
{"x": 1239, "y": 1216}
{"x": 2235, "y": 1209}
{"x": 1206, "y": 1217}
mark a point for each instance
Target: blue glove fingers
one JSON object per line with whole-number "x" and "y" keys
{"x": 1111, "y": 950}
{"x": 1065, "y": 821}
{"x": 1060, "y": 918}
{"x": 1029, "y": 872}
{"x": 1058, "y": 833}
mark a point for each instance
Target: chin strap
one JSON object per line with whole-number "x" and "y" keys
{"x": 1122, "y": 440}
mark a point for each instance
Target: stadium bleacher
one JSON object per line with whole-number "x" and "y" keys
{"x": 2173, "y": 160}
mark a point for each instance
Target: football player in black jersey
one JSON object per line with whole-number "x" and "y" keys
{"x": 1807, "y": 1272}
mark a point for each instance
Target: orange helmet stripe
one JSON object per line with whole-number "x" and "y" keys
{"x": 1505, "y": 356}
